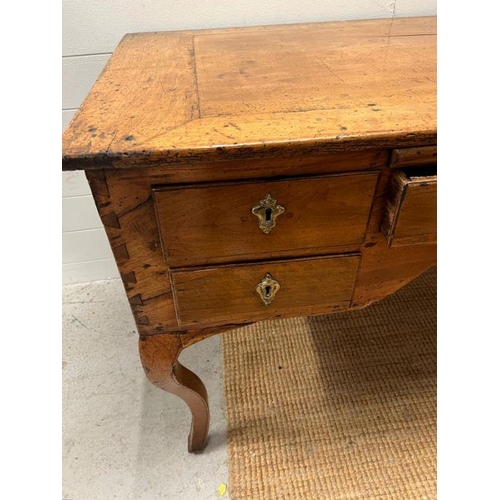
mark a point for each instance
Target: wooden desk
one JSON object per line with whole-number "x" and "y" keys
{"x": 254, "y": 173}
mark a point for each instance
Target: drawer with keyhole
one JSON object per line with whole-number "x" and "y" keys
{"x": 243, "y": 221}
{"x": 241, "y": 293}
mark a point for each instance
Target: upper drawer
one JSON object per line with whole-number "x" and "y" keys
{"x": 411, "y": 213}
{"x": 406, "y": 157}
{"x": 232, "y": 222}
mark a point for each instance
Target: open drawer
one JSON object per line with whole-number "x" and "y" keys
{"x": 411, "y": 212}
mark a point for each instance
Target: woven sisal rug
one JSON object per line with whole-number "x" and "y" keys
{"x": 336, "y": 407}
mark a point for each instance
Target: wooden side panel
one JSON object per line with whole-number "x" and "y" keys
{"x": 384, "y": 270}
{"x": 409, "y": 157}
{"x": 226, "y": 294}
{"x": 215, "y": 224}
{"x": 411, "y": 215}
{"x": 131, "y": 228}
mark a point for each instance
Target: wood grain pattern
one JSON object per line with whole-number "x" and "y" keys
{"x": 225, "y": 294}
{"x": 406, "y": 157}
{"x": 203, "y": 225}
{"x": 384, "y": 270}
{"x": 159, "y": 359}
{"x": 130, "y": 224}
{"x": 126, "y": 196}
{"x": 156, "y": 81}
{"x": 185, "y": 132}
{"x": 308, "y": 71}
{"x": 125, "y": 204}
{"x": 319, "y": 96}
{"x": 258, "y": 168}
{"x": 411, "y": 215}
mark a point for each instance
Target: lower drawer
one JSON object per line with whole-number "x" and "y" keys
{"x": 249, "y": 292}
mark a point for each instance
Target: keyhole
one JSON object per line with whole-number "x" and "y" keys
{"x": 269, "y": 212}
{"x": 268, "y": 291}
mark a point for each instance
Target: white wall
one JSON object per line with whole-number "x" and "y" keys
{"x": 91, "y": 31}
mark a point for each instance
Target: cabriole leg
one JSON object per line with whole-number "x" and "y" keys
{"x": 159, "y": 355}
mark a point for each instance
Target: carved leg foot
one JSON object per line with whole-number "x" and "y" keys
{"x": 159, "y": 355}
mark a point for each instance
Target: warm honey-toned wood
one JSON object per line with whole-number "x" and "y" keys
{"x": 384, "y": 270}
{"x": 409, "y": 157}
{"x": 185, "y": 132}
{"x": 306, "y": 70}
{"x": 203, "y": 225}
{"x": 159, "y": 359}
{"x": 120, "y": 180}
{"x": 411, "y": 214}
{"x": 125, "y": 201}
{"x": 125, "y": 204}
{"x": 259, "y": 92}
{"x": 131, "y": 227}
{"x": 227, "y": 293}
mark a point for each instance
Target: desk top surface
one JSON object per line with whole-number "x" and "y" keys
{"x": 209, "y": 95}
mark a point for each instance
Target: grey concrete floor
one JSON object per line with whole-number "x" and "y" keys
{"x": 122, "y": 437}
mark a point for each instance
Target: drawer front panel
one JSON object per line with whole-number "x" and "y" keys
{"x": 231, "y": 294}
{"x": 202, "y": 225}
{"x": 423, "y": 155}
{"x": 411, "y": 214}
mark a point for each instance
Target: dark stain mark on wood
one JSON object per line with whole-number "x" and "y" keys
{"x": 136, "y": 300}
{"x": 129, "y": 278}
{"x": 98, "y": 183}
{"x": 232, "y": 125}
{"x": 135, "y": 207}
{"x": 156, "y": 297}
{"x": 325, "y": 145}
{"x": 111, "y": 220}
{"x": 121, "y": 253}
{"x": 195, "y": 109}
{"x": 143, "y": 320}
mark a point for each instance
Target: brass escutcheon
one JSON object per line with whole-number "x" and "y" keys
{"x": 267, "y": 212}
{"x": 267, "y": 289}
